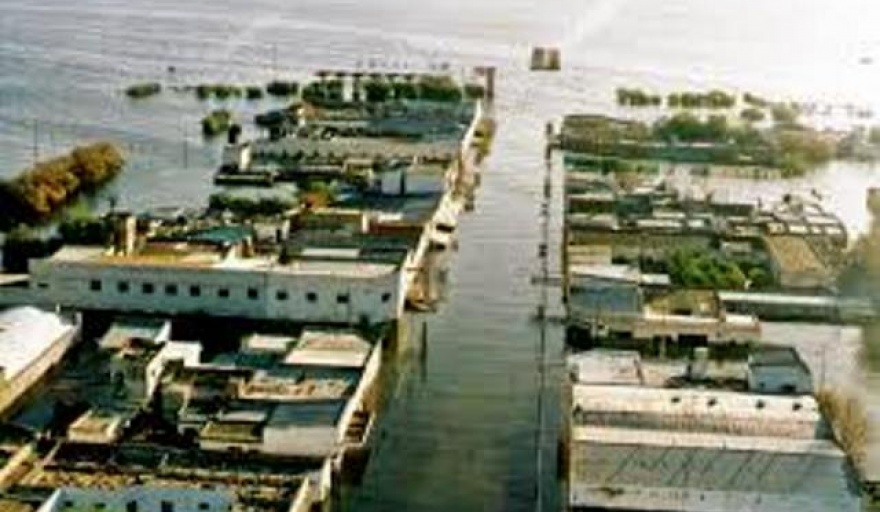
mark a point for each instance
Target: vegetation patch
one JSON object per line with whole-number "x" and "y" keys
{"x": 217, "y": 122}
{"x": 246, "y": 207}
{"x": 143, "y": 90}
{"x": 706, "y": 270}
{"x": 43, "y": 190}
{"x": 218, "y": 91}
{"x": 282, "y": 88}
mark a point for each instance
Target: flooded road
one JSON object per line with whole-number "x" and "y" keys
{"x": 460, "y": 434}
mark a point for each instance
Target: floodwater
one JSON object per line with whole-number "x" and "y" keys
{"x": 460, "y": 434}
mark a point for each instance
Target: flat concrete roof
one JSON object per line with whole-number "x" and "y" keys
{"x": 694, "y": 403}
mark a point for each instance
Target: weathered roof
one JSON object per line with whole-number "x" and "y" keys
{"x": 335, "y": 348}
{"x": 638, "y": 470}
{"x": 307, "y": 414}
{"x": 25, "y": 333}
{"x": 606, "y": 367}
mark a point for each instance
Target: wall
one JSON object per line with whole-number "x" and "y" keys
{"x": 69, "y": 285}
{"x": 148, "y": 499}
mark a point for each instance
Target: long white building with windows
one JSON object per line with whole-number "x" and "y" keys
{"x": 318, "y": 285}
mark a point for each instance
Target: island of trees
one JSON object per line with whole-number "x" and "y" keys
{"x": 714, "y": 139}
{"x": 43, "y": 190}
{"x": 217, "y": 122}
{"x": 143, "y": 90}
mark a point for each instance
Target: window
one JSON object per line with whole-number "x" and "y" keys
{"x": 100, "y": 506}
{"x": 386, "y": 297}
{"x": 281, "y": 295}
{"x": 131, "y": 506}
{"x": 253, "y": 293}
{"x": 312, "y": 297}
{"x": 167, "y": 506}
{"x": 195, "y": 291}
{"x": 148, "y": 288}
{"x": 342, "y": 298}
{"x": 223, "y": 293}
{"x": 170, "y": 289}
{"x": 42, "y": 286}
{"x": 95, "y": 285}
{"x": 204, "y": 506}
{"x": 122, "y": 286}
{"x": 68, "y": 504}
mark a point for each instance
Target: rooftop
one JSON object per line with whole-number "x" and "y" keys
{"x": 638, "y": 470}
{"x": 606, "y": 367}
{"x": 334, "y": 348}
{"x": 723, "y": 405}
{"x": 183, "y": 255}
{"x": 25, "y": 333}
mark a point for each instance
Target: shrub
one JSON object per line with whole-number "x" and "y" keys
{"x": 143, "y": 90}
{"x": 217, "y": 122}
{"x": 42, "y": 190}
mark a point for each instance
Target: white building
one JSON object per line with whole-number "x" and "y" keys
{"x": 32, "y": 341}
{"x": 337, "y": 286}
{"x": 158, "y": 499}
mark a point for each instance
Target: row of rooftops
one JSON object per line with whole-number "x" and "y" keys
{"x": 301, "y": 380}
{"x": 658, "y": 208}
{"x": 651, "y": 435}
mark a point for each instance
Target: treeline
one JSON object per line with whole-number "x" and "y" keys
{"x": 713, "y": 100}
{"x": 381, "y": 88}
{"x": 246, "y": 207}
{"x": 45, "y": 189}
{"x": 23, "y": 244}
{"x": 791, "y": 148}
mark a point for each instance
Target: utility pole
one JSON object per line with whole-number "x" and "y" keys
{"x": 185, "y": 146}
{"x": 36, "y": 143}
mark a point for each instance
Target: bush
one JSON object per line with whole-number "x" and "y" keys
{"x": 474, "y": 91}
{"x": 377, "y": 91}
{"x": 143, "y": 90}
{"x": 217, "y": 122}
{"x": 42, "y": 190}
{"x": 848, "y": 422}
{"x": 22, "y": 245}
{"x": 752, "y": 115}
{"x": 246, "y": 207}
{"x": 694, "y": 269}
{"x": 85, "y": 231}
{"x": 637, "y": 98}
{"x": 282, "y": 88}
{"x": 405, "y": 91}
{"x": 253, "y": 92}
{"x": 755, "y": 101}
{"x": 219, "y": 91}
{"x": 713, "y": 99}
{"x": 785, "y": 115}
{"x": 439, "y": 88}
{"x": 685, "y": 127}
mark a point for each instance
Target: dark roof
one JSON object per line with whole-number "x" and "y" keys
{"x": 765, "y": 355}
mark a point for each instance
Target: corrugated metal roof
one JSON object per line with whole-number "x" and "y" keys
{"x": 619, "y": 468}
